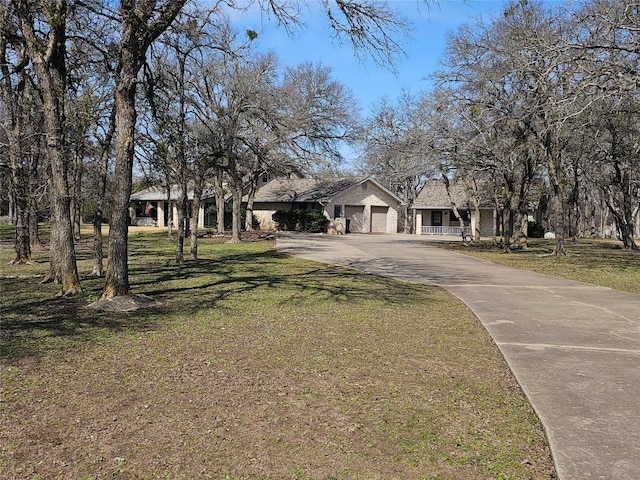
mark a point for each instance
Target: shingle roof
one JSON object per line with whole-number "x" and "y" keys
{"x": 303, "y": 189}
{"x": 157, "y": 193}
{"x": 434, "y": 196}
{"x": 153, "y": 194}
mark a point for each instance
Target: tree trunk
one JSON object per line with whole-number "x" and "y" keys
{"x": 50, "y": 69}
{"x": 182, "y": 217}
{"x": 454, "y": 207}
{"x": 117, "y": 276}
{"x": 557, "y": 218}
{"x": 219, "y": 195}
{"x": 472, "y": 191}
{"x": 34, "y": 236}
{"x": 195, "y": 215}
{"x": 248, "y": 222}
{"x": 98, "y": 269}
{"x": 75, "y": 196}
{"x": 22, "y": 245}
{"x": 19, "y": 180}
{"x": 507, "y": 226}
{"x": 236, "y": 214}
{"x": 98, "y": 241}
{"x": 169, "y": 211}
{"x": 139, "y": 29}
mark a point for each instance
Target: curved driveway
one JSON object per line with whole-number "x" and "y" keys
{"x": 574, "y": 347}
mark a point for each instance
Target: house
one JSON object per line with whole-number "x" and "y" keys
{"x": 358, "y": 205}
{"x": 151, "y": 206}
{"x": 352, "y": 205}
{"x": 434, "y": 215}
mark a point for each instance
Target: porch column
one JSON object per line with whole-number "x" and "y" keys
{"x": 160, "y": 209}
{"x": 418, "y": 223}
{"x": 201, "y": 216}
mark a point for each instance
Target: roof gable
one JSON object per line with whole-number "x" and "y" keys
{"x": 301, "y": 190}
{"x": 312, "y": 189}
{"x": 377, "y": 184}
{"x": 434, "y": 195}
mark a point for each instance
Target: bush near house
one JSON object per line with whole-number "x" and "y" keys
{"x": 535, "y": 230}
{"x": 309, "y": 221}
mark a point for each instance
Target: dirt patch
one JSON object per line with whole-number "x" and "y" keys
{"x": 124, "y": 303}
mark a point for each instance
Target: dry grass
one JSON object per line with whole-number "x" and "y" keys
{"x": 597, "y": 261}
{"x": 256, "y": 366}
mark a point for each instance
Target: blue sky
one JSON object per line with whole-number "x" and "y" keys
{"x": 368, "y": 81}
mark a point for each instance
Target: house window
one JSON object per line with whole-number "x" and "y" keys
{"x": 337, "y": 211}
{"x": 436, "y": 218}
{"x": 265, "y": 177}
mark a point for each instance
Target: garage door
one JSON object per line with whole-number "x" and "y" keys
{"x": 379, "y": 219}
{"x": 355, "y": 217}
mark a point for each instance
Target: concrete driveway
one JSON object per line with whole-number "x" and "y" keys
{"x": 574, "y": 347}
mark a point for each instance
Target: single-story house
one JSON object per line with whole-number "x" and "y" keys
{"x": 434, "y": 215}
{"x": 352, "y": 205}
{"x": 358, "y": 205}
{"x": 151, "y": 206}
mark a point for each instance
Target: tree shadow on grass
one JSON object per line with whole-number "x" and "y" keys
{"x": 256, "y": 273}
{"x": 33, "y": 322}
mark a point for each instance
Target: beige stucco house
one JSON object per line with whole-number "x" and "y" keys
{"x": 352, "y": 205}
{"x": 434, "y": 214}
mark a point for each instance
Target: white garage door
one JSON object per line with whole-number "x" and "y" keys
{"x": 379, "y": 219}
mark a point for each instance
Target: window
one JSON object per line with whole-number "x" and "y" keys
{"x": 265, "y": 177}
{"x": 436, "y": 218}
{"x": 337, "y": 211}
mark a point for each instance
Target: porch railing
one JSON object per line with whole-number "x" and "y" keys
{"x": 431, "y": 230}
{"x": 145, "y": 222}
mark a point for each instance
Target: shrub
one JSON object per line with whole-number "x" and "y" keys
{"x": 535, "y": 230}
{"x": 310, "y": 221}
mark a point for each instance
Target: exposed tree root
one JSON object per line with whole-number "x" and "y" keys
{"x": 19, "y": 261}
{"x": 68, "y": 293}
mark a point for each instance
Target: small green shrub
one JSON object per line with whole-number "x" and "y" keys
{"x": 310, "y": 221}
{"x": 535, "y": 230}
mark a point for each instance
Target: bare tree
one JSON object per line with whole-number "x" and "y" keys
{"x": 370, "y": 28}
{"x": 400, "y": 148}
{"x": 12, "y": 94}
{"x": 141, "y": 23}
{"x": 46, "y": 46}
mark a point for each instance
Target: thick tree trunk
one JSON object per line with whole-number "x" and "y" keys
{"x": 219, "y": 195}
{"x": 50, "y": 69}
{"x": 507, "y": 227}
{"x": 524, "y": 231}
{"x": 140, "y": 27}
{"x": 117, "y": 276}
{"x": 558, "y": 220}
{"x": 34, "y": 234}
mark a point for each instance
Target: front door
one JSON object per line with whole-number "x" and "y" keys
{"x": 436, "y": 218}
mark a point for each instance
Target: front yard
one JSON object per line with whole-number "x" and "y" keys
{"x": 254, "y": 366}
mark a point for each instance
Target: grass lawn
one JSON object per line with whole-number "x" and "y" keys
{"x": 597, "y": 261}
{"x": 253, "y": 366}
